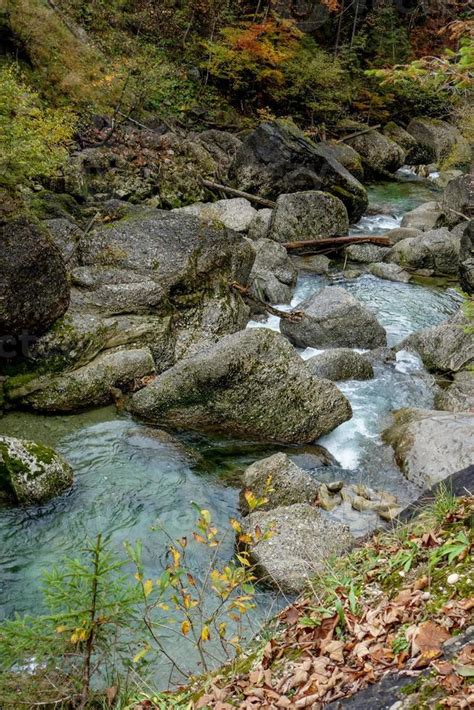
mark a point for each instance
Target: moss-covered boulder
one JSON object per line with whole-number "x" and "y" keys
{"x": 31, "y": 473}
{"x": 439, "y": 141}
{"x": 277, "y": 158}
{"x": 250, "y": 385}
{"x": 339, "y": 364}
{"x": 380, "y": 154}
{"x": 435, "y": 253}
{"x": 405, "y": 140}
{"x": 311, "y": 214}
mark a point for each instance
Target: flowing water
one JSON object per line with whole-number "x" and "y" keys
{"x": 126, "y": 479}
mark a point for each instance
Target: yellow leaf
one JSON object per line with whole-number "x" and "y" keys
{"x": 243, "y": 561}
{"x": 235, "y": 525}
{"x": 186, "y": 627}
{"x": 147, "y": 587}
{"x": 141, "y": 654}
{"x": 163, "y": 606}
{"x": 61, "y": 629}
{"x": 176, "y": 556}
{"x": 205, "y": 634}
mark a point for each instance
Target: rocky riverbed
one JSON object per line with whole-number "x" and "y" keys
{"x": 157, "y": 373}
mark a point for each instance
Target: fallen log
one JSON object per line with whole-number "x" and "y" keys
{"x": 238, "y": 193}
{"x": 335, "y": 243}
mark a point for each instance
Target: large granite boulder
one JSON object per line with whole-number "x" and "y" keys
{"x": 307, "y": 215}
{"x": 313, "y": 263}
{"x": 439, "y": 141}
{"x": 346, "y": 155}
{"x": 340, "y": 364}
{"x": 273, "y": 276}
{"x": 260, "y": 224}
{"x": 448, "y": 347}
{"x": 458, "y": 200}
{"x": 251, "y": 384}
{"x": 400, "y": 233}
{"x": 459, "y": 396}
{"x": 280, "y": 481}
{"x": 34, "y": 288}
{"x": 31, "y": 473}
{"x": 425, "y": 217}
{"x": 466, "y": 259}
{"x": 404, "y": 139}
{"x": 92, "y": 385}
{"x": 436, "y": 252}
{"x": 236, "y": 213}
{"x": 302, "y": 542}
{"x": 277, "y": 158}
{"x": 430, "y": 445}
{"x": 334, "y": 318}
{"x": 380, "y": 154}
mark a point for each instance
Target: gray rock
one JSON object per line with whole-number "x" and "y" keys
{"x": 279, "y": 480}
{"x": 236, "y": 213}
{"x": 448, "y": 347}
{"x": 315, "y": 264}
{"x": 260, "y": 224}
{"x": 380, "y": 154}
{"x": 391, "y": 272}
{"x": 436, "y": 252}
{"x": 458, "y": 200}
{"x": 34, "y": 286}
{"x": 334, "y": 318}
{"x": 430, "y": 445}
{"x": 459, "y": 229}
{"x": 31, "y": 473}
{"x": 425, "y": 217}
{"x": 346, "y": 155}
{"x": 249, "y": 385}
{"x": 466, "y": 259}
{"x": 404, "y": 139}
{"x": 397, "y": 235}
{"x": 459, "y": 396}
{"x": 366, "y": 253}
{"x": 90, "y": 385}
{"x": 303, "y": 540}
{"x": 221, "y": 145}
{"x": 273, "y": 276}
{"x": 340, "y": 364}
{"x": 66, "y": 235}
{"x": 439, "y": 141}
{"x": 308, "y": 215}
{"x": 277, "y": 158}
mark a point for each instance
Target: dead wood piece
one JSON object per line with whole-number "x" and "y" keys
{"x": 293, "y": 316}
{"x": 238, "y": 193}
{"x": 358, "y": 133}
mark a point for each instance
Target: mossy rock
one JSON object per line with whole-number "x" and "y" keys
{"x": 31, "y": 472}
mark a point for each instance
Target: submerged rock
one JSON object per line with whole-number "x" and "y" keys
{"x": 31, "y": 473}
{"x": 334, "y": 318}
{"x": 439, "y": 141}
{"x": 250, "y": 385}
{"x": 430, "y": 445}
{"x": 273, "y": 276}
{"x": 93, "y": 384}
{"x": 391, "y": 272}
{"x": 236, "y": 213}
{"x": 34, "y": 285}
{"x": 340, "y": 364}
{"x": 308, "y": 215}
{"x": 448, "y": 347}
{"x": 277, "y": 158}
{"x": 279, "y": 480}
{"x": 303, "y": 540}
{"x": 436, "y": 252}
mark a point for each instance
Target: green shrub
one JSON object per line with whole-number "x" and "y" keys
{"x": 33, "y": 138}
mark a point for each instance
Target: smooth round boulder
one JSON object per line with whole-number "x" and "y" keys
{"x": 425, "y": 217}
{"x": 436, "y": 252}
{"x": 366, "y": 253}
{"x": 34, "y": 284}
{"x": 380, "y": 154}
{"x": 308, "y": 215}
{"x": 340, "y": 364}
{"x": 390, "y": 272}
{"x": 400, "y": 233}
{"x": 250, "y": 385}
{"x": 31, "y": 473}
{"x": 333, "y": 318}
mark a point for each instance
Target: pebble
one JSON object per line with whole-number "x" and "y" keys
{"x": 453, "y": 578}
